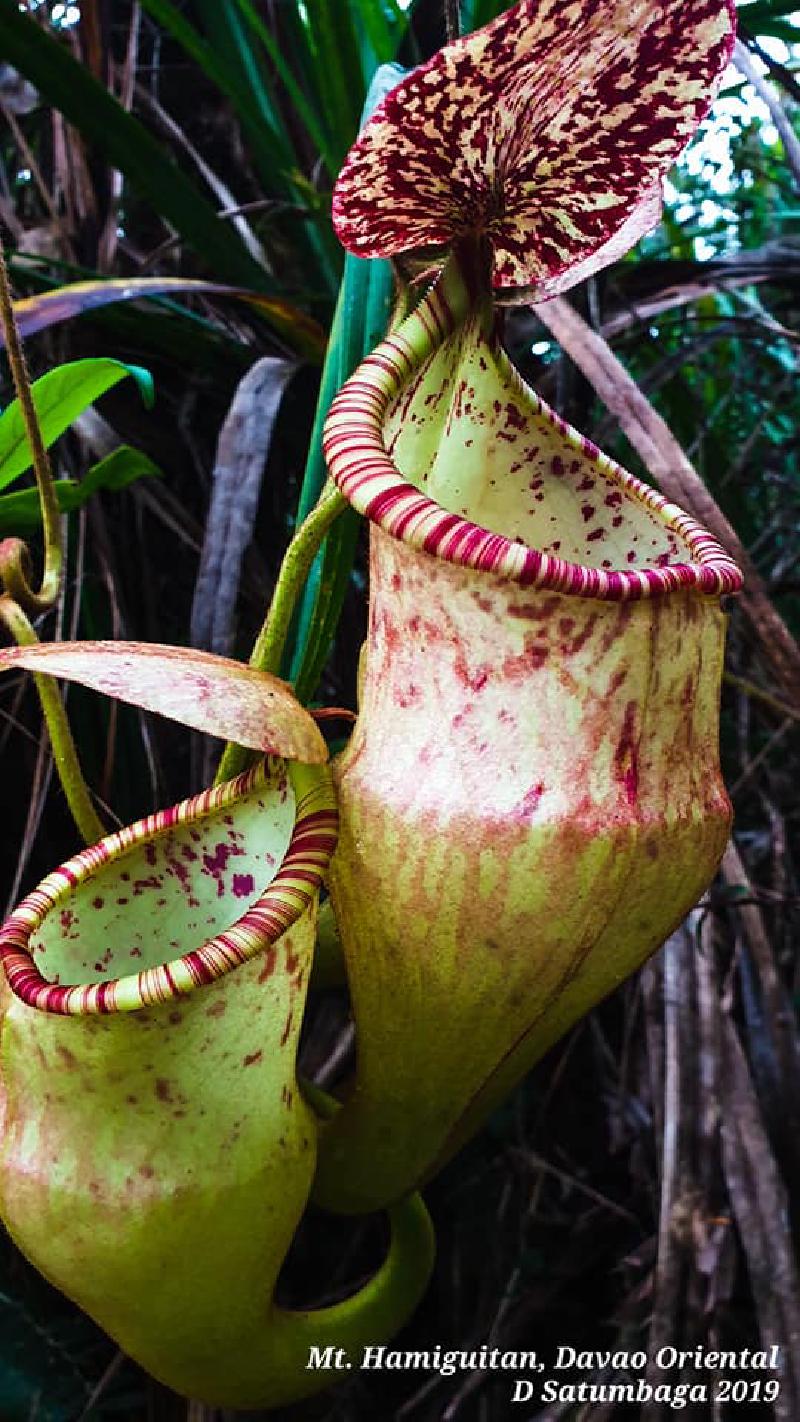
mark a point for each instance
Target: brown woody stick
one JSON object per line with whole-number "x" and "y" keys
{"x": 452, "y": 19}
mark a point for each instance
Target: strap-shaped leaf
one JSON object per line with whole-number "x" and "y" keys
{"x": 35, "y": 313}
{"x": 548, "y": 130}
{"x": 21, "y": 511}
{"x": 212, "y": 694}
{"x": 242, "y": 451}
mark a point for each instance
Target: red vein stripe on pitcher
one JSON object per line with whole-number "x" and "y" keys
{"x": 356, "y": 456}
{"x": 288, "y": 895}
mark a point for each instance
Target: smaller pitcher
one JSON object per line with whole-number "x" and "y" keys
{"x": 156, "y": 1154}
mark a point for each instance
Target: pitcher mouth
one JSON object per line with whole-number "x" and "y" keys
{"x": 289, "y": 893}
{"x": 359, "y": 457}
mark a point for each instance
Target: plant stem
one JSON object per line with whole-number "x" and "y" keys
{"x": 268, "y": 650}
{"x": 455, "y": 289}
{"x": 88, "y": 822}
{"x": 13, "y": 554}
{"x": 300, "y": 555}
{"x": 328, "y": 969}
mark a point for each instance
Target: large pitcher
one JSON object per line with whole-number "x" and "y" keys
{"x": 531, "y": 799}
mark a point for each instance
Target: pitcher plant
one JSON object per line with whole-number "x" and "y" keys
{"x": 531, "y": 799}
{"x": 156, "y": 1152}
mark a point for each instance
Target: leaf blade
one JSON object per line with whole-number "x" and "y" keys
{"x": 21, "y": 511}
{"x": 59, "y": 397}
{"x": 63, "y": 303}
{"x": 211, "y": 694}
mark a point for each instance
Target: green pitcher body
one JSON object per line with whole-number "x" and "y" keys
{"x": 531, "y": 799}
{"x": 156, "y": 1152}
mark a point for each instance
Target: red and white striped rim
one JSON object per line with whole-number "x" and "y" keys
{"x": 359, "y": 464}
{"x": 287, "y": 896}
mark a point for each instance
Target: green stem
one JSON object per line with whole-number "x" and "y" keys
{"x": 376, "y": 1312}
{"x": 267, "y": 652}
{"x": 458, "y": 281}
{"x": 14, "y": 567}
{"x": 379, "y": 1309}
{"x": 302, "y": 550}
{"x": 328, "y": 970}
{"x": 89, "y": 824}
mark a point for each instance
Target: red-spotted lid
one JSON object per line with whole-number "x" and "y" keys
{"x": 549, "y": 130}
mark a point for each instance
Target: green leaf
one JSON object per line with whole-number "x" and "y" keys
{"x": 338, "y": 71}
{"x": 215, "y": 67}
{"x": 776, "y": 29}
{"x": 477, "y": 13}
{"x": 754, "y": 13}
{"x": 21, "y": 514}
{"x": 253, "y": 105}
{"x": 228, "y": 36}
{"x": 59, "y": 397}
{"x": 63, "y": 303}
{"x": 330, "y": 590}
{"x": 360, "y": 321}
{"x": 304, "y": 109}
{"x": 252, "y": 56}
{"x": 379, "y": 33}
{"x": 119, "y": 469}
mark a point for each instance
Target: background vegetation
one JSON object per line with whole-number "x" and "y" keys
{"x": 642, "y": 1186}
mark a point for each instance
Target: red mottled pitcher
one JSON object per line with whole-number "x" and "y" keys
{"x": 531, "y": 799}
{"x": 156, "y": 1153}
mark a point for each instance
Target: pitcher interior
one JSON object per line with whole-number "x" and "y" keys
{"x": 472, "y": 436}
{"x": 169, "y": 891}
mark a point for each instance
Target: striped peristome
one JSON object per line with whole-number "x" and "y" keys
{"x": 288, "y": 895}
{"x": 531, "y": 799}
{"x": 155, "y": 1164}
{"x": 357, "y": 456}
{"x": 549, "y": 131}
